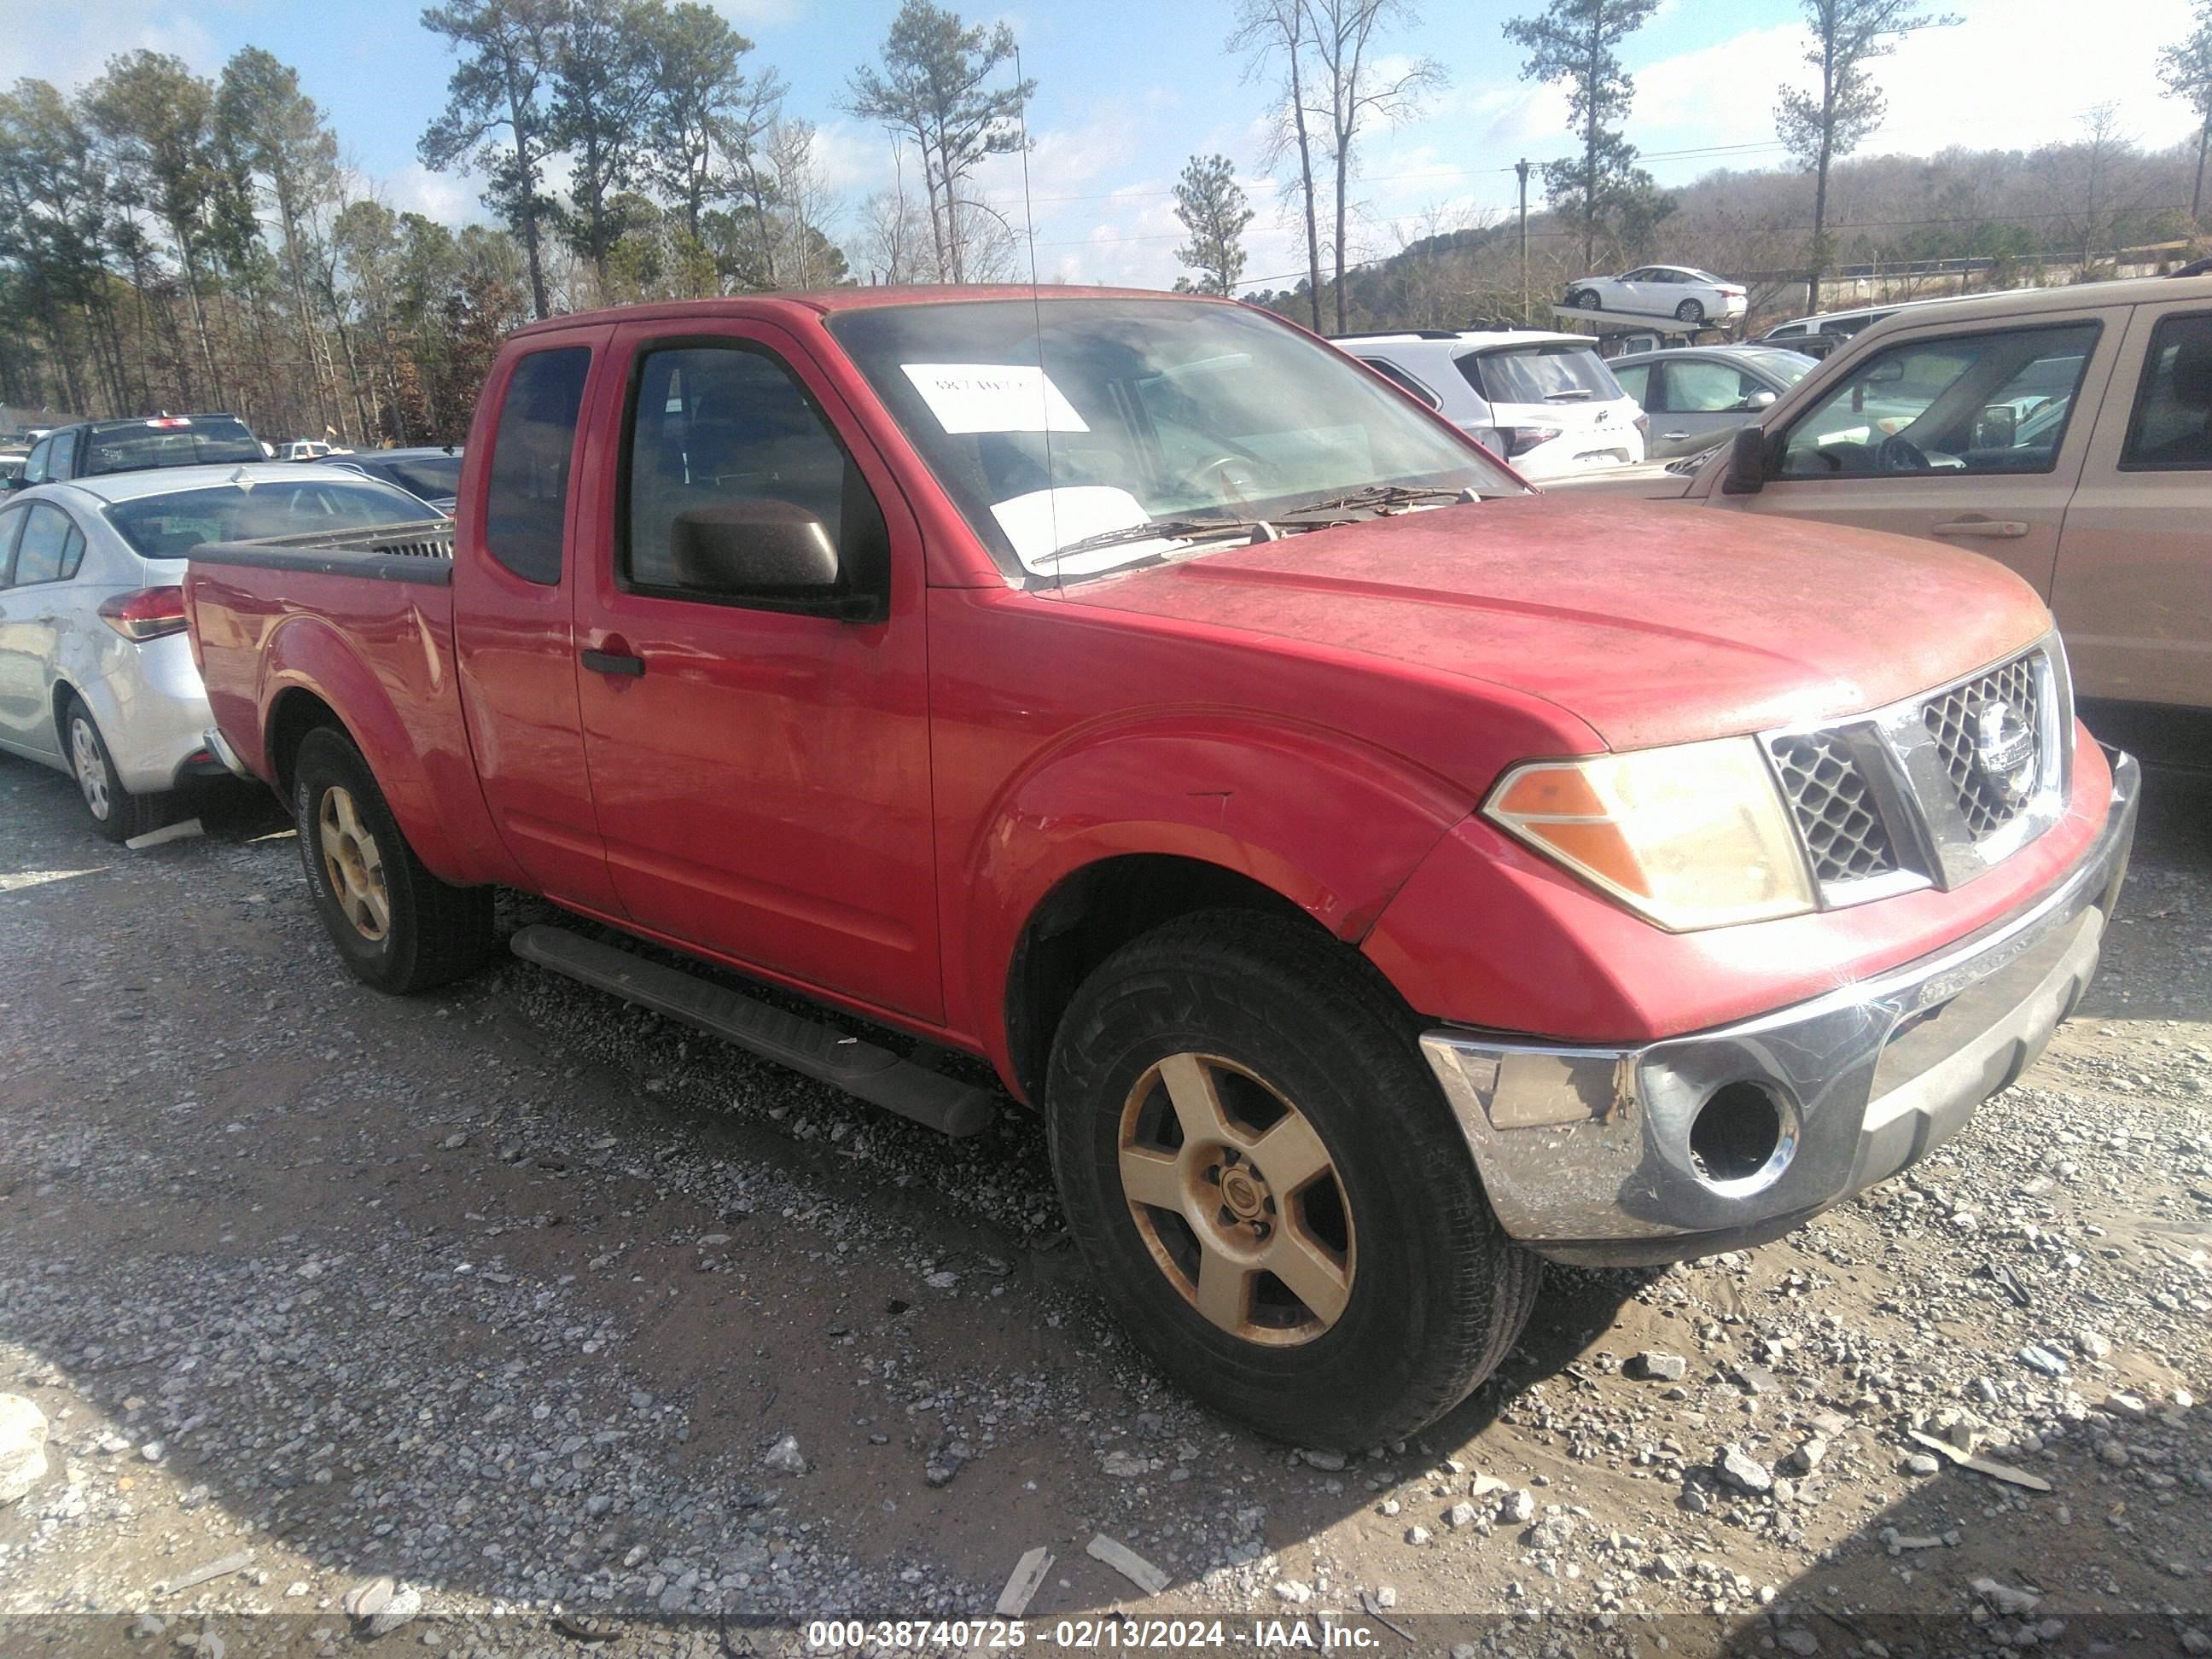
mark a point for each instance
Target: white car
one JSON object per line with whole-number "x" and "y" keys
{"x": 1546, "y": 403}
{"x": 1678, "y": 291}
{"x": 96, "y": 674}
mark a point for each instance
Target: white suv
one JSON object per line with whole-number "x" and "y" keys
{"x": 1546, "y": 403}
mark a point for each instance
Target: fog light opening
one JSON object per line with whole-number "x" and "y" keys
{"x": 1740, "y": 1138}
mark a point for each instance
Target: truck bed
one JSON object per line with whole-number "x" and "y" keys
{"x": 361, "y": 623}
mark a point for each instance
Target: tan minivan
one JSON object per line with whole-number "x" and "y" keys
{"x": 2066, "y": 433}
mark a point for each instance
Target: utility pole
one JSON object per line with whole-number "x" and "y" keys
{"x": 1522, "y": 168}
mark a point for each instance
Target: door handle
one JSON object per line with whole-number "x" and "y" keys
{"x": 1670, "y": 436}
{"x": 2002, "y": 529}
{"x": 614, "y": 662}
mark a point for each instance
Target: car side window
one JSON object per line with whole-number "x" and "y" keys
{"x": 35, "y": 466}
{"x": 1405, "y": 382}
{"x": 526, "y": 500}
{"x": 62, "y": 464}
{"x": 2171, "y": 430}
{"x": 714, "y": 426}
{"x": 45, "y": 543}
{"x": 1705, "y": 388}
{"x": 11, "y": 526}
{"x": 1635, "y": 379}
{"x": 1962, "y": 406}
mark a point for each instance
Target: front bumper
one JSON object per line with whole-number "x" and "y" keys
{"x": 1587, "y": 1153}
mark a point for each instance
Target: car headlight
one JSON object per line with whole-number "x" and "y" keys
{"x": 1693, "y": 836}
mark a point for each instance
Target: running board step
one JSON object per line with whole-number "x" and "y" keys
{"x": 859, "y": 1067}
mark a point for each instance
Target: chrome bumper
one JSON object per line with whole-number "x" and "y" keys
{"x": 1586, "y": 1153}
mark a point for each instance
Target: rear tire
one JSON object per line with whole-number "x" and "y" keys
{"x": 1321, "y": 1262}
{"x": 399, "y": 927}
{"x": 115, "y": 811}
{"x": 1690, "y": 311}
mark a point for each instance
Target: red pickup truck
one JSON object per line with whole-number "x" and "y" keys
{"x": 1381, "y": 877}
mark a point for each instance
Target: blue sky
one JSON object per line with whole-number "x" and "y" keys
{"x": 1129, "y": 88}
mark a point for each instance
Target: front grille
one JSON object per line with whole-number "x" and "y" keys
{"x": 1835, "y": 809}
{"x": 1954, "y": 719}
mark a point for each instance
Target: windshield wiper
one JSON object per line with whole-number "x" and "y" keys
{"x": 1160, "y": 530}
{"x": 1577, "y": 395}
{"x": 1375, "y": 495}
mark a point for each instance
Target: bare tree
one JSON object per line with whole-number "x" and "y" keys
{"x": 804, "y": 206}
{"x": 1273, "y": 37}
{"x": 895, "y": 234}
{"x": 1848, "y": 36}
{"x": 1355, "y": 94}
{"x": 2185, "y": 70}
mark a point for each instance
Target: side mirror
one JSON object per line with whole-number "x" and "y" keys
{"x": 1997, "y": 427}
{"x": 755, "y": 549}
{"x": 1748, "y": 462}
{"x": 1761, "y": 399}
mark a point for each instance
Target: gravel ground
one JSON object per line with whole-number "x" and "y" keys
{"x": 513, "y": 1319}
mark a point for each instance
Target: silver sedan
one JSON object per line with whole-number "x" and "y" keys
{"x": 96, "y": 673}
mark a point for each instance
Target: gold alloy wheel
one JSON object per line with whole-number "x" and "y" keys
{"x": 354, "y": 866}
{"x": 1237, "y": 1199}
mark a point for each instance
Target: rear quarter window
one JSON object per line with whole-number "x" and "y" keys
{"x": 526, "y": 500}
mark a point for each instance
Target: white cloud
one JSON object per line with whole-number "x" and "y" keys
{"x": 69, "y": 45}
{"x": 453, "y": 198}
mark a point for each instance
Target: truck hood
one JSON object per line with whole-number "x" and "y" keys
{"x": 1650, "y": 624}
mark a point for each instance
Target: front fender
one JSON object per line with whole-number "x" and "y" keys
{"x": 1332, "y": 826}
{"x": 421, "y": 758}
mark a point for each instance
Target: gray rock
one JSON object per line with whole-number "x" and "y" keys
{"x": 1418, "y": 1535}
{"x": 2005, "y": 1600}
{"x": 22, "y": 1446}
{"x": 1743, "y": 1471}
{"x": 1807, "y": 1458}
{"x": 1921, "y": 1463}
{"x": 2092, "y": 1345}
{"x": 784, "y": 1457}
{"x": 1295, "y": 1590}
{"x": 1330, "y": 1460}
{"x": 1653, "y": 1366}
{"x": 1517, "y": 1508}
{"x": 1800, "y": 1642}
{"x": 406, "y": 1601}
{"x": 1460, "y": 1515}
{"x": 2039, "y": 1359}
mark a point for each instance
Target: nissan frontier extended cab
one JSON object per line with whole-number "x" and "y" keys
{"x": 1381, "y": 877}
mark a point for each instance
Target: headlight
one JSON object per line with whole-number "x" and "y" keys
{"x": 1692, "y": 836}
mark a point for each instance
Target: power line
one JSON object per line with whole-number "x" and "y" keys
{"x": 1455, "y": 172}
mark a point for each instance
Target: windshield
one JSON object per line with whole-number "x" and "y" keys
{"x": 1556, "y": 371}
{"x": 169, "y": 526}
{"x": 437, "y": 477}
{"x": 202, "y": 441}
{"x": 1068, "y": 422}
{"x": 1788, "y": 367}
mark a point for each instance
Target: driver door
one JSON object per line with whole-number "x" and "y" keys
{"x": 1972, "y": 438}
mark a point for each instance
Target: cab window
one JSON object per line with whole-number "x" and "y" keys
{"x": 34, "y": 467}
{"x": 2170, "y": 430}
{"x": 526, "y": 500}
{"x": 1963, "y": 406}
{"x": 713, "y": 427}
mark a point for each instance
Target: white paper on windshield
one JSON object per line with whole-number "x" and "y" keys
{"x": 1045, "y": 519}
{"x": 993, "y": 398}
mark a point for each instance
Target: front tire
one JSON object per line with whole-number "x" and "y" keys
{"x": 1280, "y": 1206}
{"x": 399, "y": 927}
{"x": 1588, "y": 300}
{"x": 115, "y": 811}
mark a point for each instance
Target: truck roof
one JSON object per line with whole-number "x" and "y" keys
{"x": 825, "y": 300}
